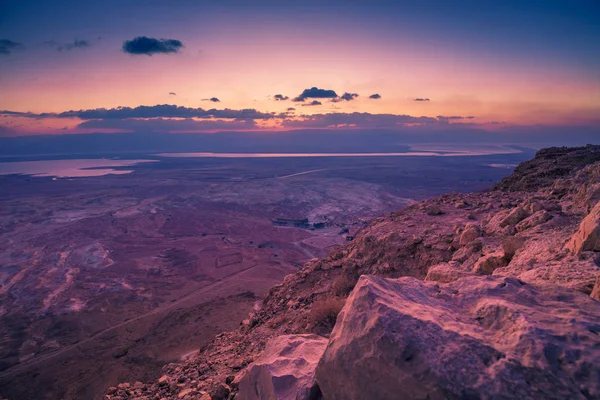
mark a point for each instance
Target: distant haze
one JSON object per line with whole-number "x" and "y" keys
{"x": 298, "y": 141}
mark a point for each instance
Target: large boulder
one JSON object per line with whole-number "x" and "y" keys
{"x": 285, "y": 370}
{"x": 587, "y": 238}
{"x": 475, "y": 338}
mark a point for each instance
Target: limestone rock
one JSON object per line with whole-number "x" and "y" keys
{"x": 596, "y": 290}
{"x": 469, "y": 234}
{"x": 510, "y": 246}
{"x": 285, "y": 370}
{"x": 579, "y": 275}
{"x": 488, "y": 263}
{"x": 587, "y": 197}
{"x": 445, "y": 273}
{"x": 515, "y": 216}
{"x": 475, "y": 338}
{"x": 587, "y": 238}
{"x": 538, "y": 218}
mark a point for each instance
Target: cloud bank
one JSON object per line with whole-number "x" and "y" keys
{"x": 157, "y": 111}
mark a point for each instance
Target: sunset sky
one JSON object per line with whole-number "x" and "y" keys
{"x": 375, "y": 64}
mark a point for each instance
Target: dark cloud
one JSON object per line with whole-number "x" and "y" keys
{"x": 149, "y": 46}
{"x": 421, "y": 99}
{"x": 316, "y": 93}
{"x": 76, "y": 44}
{"x": 345, "y": 97}
{"x": 312, "y": 103}
{"x": 173, "y": 93}
{"x": 168, "y": 125}
{"x": 280, "y": 97}
{"x": 447, "y": 119}
{"x": 157, "y": 111}
{"x": 8, "y": 46}
{"x": 375, "y": 96}
{"x": 291, "y": 109}
{"x": 214, "y": 100}
{"x": 357, "y": 120}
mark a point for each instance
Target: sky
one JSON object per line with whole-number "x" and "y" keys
{"x": 195, "y": 66}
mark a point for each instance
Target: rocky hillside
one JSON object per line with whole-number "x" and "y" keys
{"x": 485, "y": 295}
{"x": 548, "y": 165}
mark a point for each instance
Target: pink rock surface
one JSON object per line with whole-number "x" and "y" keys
{"x": 285, "y": 371}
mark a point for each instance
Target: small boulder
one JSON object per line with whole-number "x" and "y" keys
{"x": 538, "y": 218}
{"x": 510, "y": 246}
{"x": 469, "y": 234}
{"x": 488, "y": 263}
{"x": 219, "y": 392}
{"x": 434, "y": 209}
{"x": 515, "y": 216}
{"x": 285, "y": 370}
{"x": 587, "y": 238}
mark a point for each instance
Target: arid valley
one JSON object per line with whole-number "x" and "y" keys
{"x": 107, "y": 278}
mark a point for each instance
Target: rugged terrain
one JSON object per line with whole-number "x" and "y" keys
{"x": 111, "y": 277}
{"x": 482, "y": 295}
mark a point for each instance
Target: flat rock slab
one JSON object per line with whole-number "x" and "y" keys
{"x": 482, "y": 337}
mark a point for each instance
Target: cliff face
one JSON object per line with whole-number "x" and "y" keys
{"x": 535, "y": 232}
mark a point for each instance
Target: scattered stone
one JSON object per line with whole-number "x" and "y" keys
{"x": 587, "y": 238}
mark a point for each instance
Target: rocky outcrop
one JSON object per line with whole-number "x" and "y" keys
{"x": 587, "y": 238}
{"x": 285, "y": 370}
{"x": 548, "y": 165}
{"x": 478, "y": 337}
